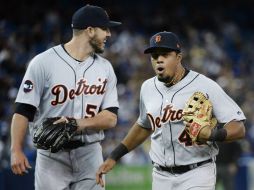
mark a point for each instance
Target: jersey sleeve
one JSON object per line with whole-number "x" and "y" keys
{"x": 225, "y": 108}
{"x": 111, "y": 97}
{"x": 143, "y": 120}
{"x": 32, "y": 84}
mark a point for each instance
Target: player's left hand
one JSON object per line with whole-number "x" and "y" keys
{"x": 197, "y": 116}
{"x": 63, "y": 119}
{"x": 205, "y": 132}
{"x": 53, "y": 133}
{"x": 104, "y": 168}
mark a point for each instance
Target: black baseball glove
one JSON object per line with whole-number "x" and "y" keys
{"x": 53, "y": 137}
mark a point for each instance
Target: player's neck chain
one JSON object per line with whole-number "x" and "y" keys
{"x": 176, "y": 79}
{"x": 182, "y": 75}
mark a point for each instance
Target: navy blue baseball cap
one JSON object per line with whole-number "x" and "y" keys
{"x": 93, "y": 16}
{"x": 164, "y": 40}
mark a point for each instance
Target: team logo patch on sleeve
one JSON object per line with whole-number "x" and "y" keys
{"x": 28, "y": 86}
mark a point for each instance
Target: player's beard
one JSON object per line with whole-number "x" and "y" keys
{"x": 95, "y": 43}
{"x": 166, "y": 79}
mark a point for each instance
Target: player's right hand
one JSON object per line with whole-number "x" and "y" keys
{"x": 19, "y": 163}
{"x": 104, "y": 168}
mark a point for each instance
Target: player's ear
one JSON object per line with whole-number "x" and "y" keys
{"x": 179, "y": 56}
{"x": 90, "y": 31}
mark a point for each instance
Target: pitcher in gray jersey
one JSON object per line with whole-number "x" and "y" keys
{"x": 70, "y": 80}
{"x": 179, "y": 164}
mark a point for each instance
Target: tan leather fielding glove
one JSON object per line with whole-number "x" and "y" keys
{"x": 197, "y": 115}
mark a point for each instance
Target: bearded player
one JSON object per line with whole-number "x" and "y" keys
{"x": 183, "y": 143}
{"x": 69, "y": 80}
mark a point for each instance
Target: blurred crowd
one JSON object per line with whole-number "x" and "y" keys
{"x": 217, "y": 41}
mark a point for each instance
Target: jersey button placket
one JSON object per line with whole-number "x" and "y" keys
{"x": 166, "y": 137}
{"x": 78, "y": 99}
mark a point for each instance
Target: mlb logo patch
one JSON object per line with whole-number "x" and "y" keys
{"x": 28, "y": 86}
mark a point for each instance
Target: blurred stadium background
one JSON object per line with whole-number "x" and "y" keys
{"x": 218, "y": 41}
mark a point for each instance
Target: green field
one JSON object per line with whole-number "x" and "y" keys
{"x": 129, "y": 178}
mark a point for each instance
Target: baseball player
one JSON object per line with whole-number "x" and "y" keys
{"x": 179, "y": 163}
{"x": 71, "y": 80}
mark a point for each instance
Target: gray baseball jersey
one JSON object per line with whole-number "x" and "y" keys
{"x": 58, "y": 85}
{"x": 161, "y": 109}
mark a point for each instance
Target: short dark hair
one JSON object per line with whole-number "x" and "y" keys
{"x": 76, "y": 32}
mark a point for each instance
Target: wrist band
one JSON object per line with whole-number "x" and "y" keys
{"x": 118, "y": 152}
{"x": 218, "y": 135}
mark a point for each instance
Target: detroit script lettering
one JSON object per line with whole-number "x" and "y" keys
{"x": 62, "y": 93}
{"x": 169, "y": 114}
